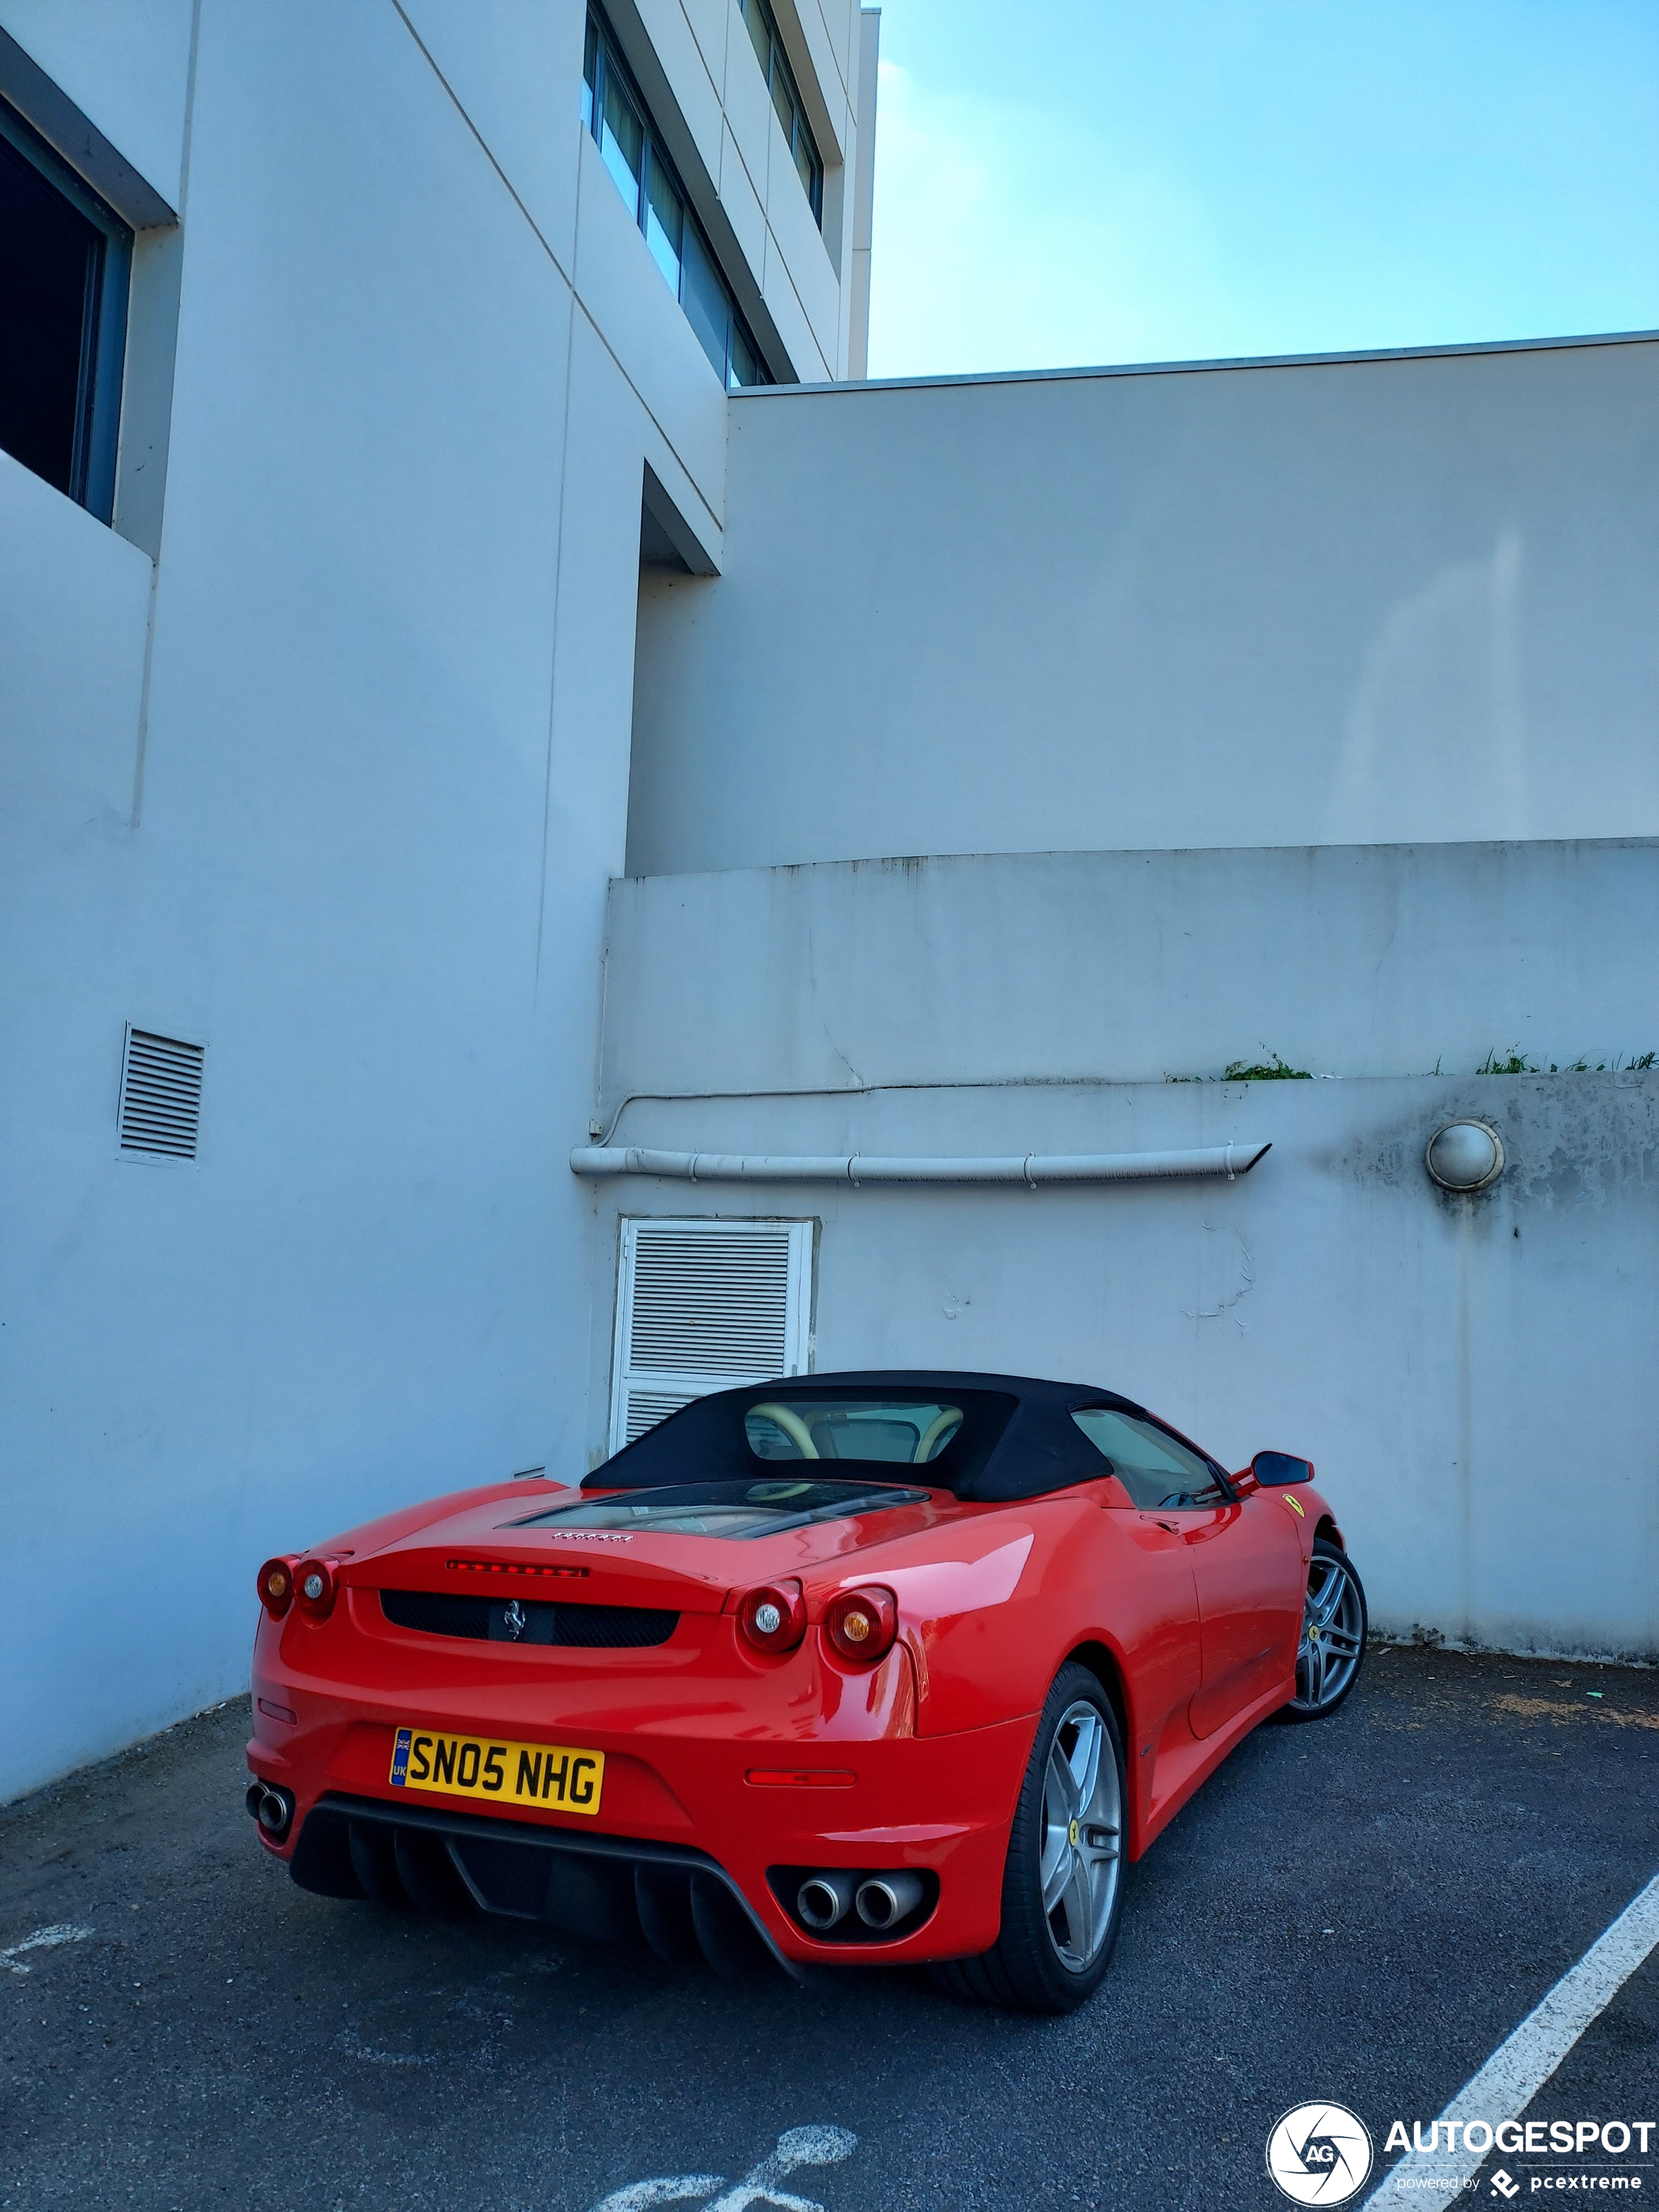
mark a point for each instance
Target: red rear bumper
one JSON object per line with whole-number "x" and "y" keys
{"x": 679, "y": 1750}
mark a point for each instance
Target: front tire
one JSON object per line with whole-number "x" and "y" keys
{"x": 1062, "y": 1885}
{"x": 1335, "y": 1625}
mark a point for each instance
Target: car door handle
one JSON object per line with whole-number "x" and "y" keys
{"x": 1174, "y": 1526}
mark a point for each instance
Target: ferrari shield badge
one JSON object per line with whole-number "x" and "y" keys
{"x": 1295, "y": 1504}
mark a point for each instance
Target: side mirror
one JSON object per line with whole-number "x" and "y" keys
{"x": 1273, "y": 1470}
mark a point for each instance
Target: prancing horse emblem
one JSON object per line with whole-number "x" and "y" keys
{"x": 513, "y": 1619}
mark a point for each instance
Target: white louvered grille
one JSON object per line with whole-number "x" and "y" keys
{"x": 710, "y": 1305}
{"x": 701, "y": 1305}
{"x": 646, "y": 1408}
{"x": 160, "y": 1095}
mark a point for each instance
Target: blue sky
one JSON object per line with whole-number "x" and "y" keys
{"x": 1090, "y": 181}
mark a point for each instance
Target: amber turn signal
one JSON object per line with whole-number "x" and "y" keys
{"x": 275, "y": 1584}
{"x": 314, "y": 1587}
{"x": 861, "y": 1624}
{"x": 773, "y": 1618}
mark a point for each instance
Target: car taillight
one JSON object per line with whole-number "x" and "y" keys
{"x": 861, "y": 1624}
{"x": 774, "y": 1617}
{"x": 276, "y": 1586}
{"x": 314, "y": 1588}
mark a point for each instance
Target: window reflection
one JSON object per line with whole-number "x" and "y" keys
{"x": 769, "y": 52}
{"x": 622, "y": 142}
{"x": 613, "y": 114}
{"x": 665, "y": 223}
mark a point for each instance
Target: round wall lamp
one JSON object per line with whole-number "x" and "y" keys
{"x": 1465, "y": 1155}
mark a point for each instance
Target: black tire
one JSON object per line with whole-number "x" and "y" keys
{"x": 1321, "y": 1688}
{"x": 1035, "y": 1965}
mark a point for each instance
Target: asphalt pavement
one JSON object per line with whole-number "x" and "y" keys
{"x": 1358, "y": 1911}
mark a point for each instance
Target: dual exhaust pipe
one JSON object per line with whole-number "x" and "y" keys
{"x": 880, "y": 1900}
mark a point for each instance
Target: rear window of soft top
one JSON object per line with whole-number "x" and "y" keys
{"x": 726, "y": 1509}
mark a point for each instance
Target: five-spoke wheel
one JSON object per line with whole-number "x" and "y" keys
{"x": 1081, "y": 1863}
{"x": 1328, "y": 1658}
{"x": 1062, "y": 1887}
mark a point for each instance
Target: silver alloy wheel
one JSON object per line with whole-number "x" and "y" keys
{"x": 1333, "y": 1635}
{"x": 1082, "y": 1826}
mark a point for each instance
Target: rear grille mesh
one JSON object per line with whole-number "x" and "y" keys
{"x": 588, "y": 1627}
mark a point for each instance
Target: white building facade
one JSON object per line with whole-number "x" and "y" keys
{"x": 469, "y": 660}
{"x": 315, "y": 729}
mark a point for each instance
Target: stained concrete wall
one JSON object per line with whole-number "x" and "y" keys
{"x": 1471, "y": 1377}
{"x": 1348, "y": 960}
{"x": 1384, "y": 600}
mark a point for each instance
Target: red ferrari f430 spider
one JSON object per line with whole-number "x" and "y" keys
{"x": 849, "y": 1669}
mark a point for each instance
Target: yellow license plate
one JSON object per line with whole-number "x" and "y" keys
{"x": 550, "y": 1775}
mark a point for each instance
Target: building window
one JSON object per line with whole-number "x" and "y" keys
{"x": 706, "y": 1305}
{"x": 615, "y": 115}
{"x": 769, "y": 52}
{"x": 64, "y": 261}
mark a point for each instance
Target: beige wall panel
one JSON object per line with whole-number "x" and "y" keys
{"x": 515, "y": 68}
{"x": 696, "y": 91}
{"x": 708, "y": 19}
{"x": 819, "y": 73}
{"x": 797, "y": 243}
{"x": 742, "y": 206}
{"x": 748, "y": 105}
{"x": 841, "y": 22}
{"x": 783, "y": 305}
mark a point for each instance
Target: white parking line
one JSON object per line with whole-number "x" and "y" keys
{"x": 1519, "y": 2067}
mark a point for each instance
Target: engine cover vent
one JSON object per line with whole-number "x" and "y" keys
{"x": 160, "y": 1095}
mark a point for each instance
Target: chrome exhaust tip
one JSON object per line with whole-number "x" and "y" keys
{"x": 824, "y": 1898}
{"x": 884, "y": 1899}
{"x": 272, "y": 1807}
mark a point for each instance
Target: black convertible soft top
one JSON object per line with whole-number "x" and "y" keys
{"x": 1017, "y": 1438}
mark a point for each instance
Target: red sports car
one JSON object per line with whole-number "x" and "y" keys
{"x": 848, "y": 1668}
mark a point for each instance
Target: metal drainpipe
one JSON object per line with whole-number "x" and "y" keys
{"x": 1031, "y": 1167}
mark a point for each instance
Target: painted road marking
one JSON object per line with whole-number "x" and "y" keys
{"x": 797, "y": 2146}
{"x": 44, "y": 1939}
{"x": 1519, "y": 2067}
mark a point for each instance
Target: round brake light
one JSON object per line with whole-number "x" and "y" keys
{"x": 314, "y": 1587}
{"x": 773, "y": 1618}
{"x": 274, "y": 1584}
{"x": 861, "y": 1624}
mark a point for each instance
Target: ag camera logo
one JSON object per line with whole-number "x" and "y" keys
{"x": 1319, "y": 2155}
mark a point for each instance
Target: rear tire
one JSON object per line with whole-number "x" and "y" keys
{"x": 1062, "y": 1884}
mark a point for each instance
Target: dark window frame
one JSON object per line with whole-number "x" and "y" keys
{"x": 604, "y": 66}
{"x": 104, "y": 319}
{"x": 776, "y": 71}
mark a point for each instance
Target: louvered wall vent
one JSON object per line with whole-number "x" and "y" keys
{"x": 701, "y": 1305}
{"x": 160, "y": 1095}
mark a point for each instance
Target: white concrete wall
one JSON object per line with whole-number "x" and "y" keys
{"x": 335, "y": 786}
{"x": 1471, "y": 1377}
{"x": 1382, "y": 600}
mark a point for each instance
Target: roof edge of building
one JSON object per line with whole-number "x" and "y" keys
{"x": 1194, "y": 367}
